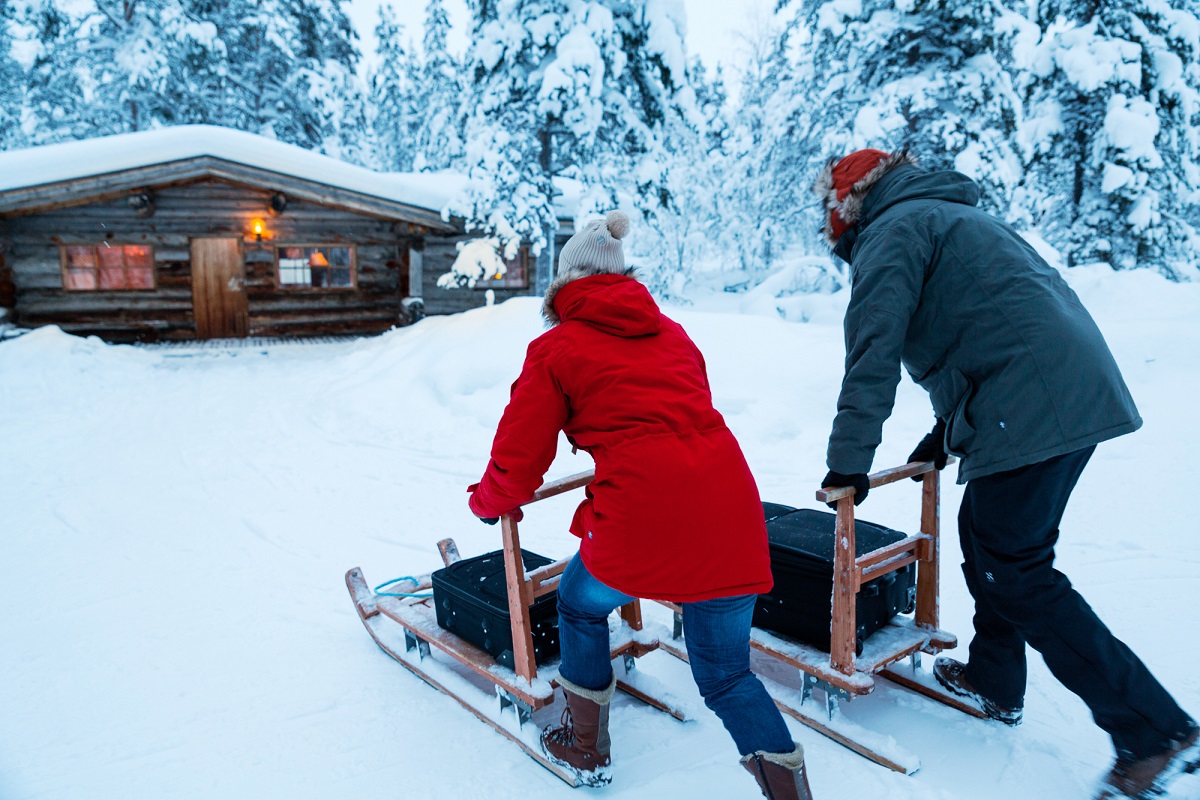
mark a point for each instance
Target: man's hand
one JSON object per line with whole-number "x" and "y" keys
{"x": 932, "y": 448}
{"x": 859, "y": 480}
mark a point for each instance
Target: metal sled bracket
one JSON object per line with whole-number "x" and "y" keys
{"x": 414, "y": 642}
{"x": 833, "y": 694}
{"x": 523, "y": 710}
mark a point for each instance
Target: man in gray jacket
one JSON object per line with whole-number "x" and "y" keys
{"x": 1023, "y": 387}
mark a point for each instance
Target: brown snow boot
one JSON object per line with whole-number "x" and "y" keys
{"x": 581, "y": 742}
{"x": 952, "y": 675}
{"x": 1148, "y": 777}
{"x": 781, "y": 776}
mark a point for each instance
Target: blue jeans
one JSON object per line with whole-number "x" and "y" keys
{"x": 718, "y": 643}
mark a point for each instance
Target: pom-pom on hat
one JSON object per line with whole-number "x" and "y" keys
{"x": 597, "y": 248}
{"x": 593, "y": 250}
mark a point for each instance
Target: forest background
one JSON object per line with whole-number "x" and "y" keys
{"x": 1079, "y": 119}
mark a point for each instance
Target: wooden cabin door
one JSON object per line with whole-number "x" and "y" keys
{"x": 219, "y": 289}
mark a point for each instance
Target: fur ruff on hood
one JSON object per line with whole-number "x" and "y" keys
{"x": 572, "y": 274}
{"x": 850, "y": 206}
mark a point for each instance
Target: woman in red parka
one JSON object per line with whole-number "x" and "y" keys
{"x": 673, "y": 512}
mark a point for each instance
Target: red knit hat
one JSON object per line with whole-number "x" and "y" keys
{"x": 847, "y": 172}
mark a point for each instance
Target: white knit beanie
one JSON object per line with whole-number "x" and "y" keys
{"x": 597, "y": 248}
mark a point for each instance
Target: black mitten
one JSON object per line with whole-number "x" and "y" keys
{"x": 859, "y": 480}
{"x": 932, "y": 448}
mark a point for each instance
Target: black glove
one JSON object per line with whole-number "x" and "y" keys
{"x": 859, "y": 480}
{"x": 489, "y": 520}
{"x": 932, "y": 448}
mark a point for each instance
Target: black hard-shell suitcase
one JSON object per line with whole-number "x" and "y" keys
{"x": 802, "y": 548}
{"x": 471, "y": 597}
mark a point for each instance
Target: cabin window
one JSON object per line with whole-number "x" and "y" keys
{"x": 107, "y": 267}
{"x": 516, "y": 275}
{"x": 315, "y": 266}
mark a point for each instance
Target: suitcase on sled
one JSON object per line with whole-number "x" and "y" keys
{"x": 802, "y": 554}
{"x": 471, "y": 599}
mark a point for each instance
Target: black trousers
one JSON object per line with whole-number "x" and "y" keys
{"x": 1008, "y": 526}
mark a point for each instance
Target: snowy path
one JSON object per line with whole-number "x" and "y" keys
{"x": 174, "y": 531}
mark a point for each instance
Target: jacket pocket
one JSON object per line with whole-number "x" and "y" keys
{"x": 950, "y": 399}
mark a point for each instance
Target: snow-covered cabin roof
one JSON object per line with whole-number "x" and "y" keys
{"x": 71, "y": 173}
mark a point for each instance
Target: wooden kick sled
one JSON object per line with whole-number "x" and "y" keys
{"x": 406, "y": 629}
{"x": 840, "y": 674}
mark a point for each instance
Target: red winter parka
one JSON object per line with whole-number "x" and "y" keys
{"x": 673, "y": 513}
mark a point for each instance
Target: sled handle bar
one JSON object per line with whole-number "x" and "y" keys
{"x": 562, "y": 485}
{"x": 881, "y": 478}
{"x": 851, "y": 571}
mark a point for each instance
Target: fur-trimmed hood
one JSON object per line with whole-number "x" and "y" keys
{"x": 615, "y": 304}
{"x": 849, "y": 208}
{"x": 572, "y": 274}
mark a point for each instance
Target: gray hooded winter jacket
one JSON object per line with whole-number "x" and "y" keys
{"x": 1010, "y": 357}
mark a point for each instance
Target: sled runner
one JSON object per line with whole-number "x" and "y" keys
{"x": 841, "y": 673}
{"x": 406, "y": 628}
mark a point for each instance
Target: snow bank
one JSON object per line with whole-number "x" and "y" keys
{"x": 176, "y": 523}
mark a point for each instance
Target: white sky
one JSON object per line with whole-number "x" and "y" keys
{"x": 714, "y": 26}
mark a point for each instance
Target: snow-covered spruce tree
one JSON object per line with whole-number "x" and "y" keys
{"x": 439, "y": 85}
{"x": 390, "y": 94}
{"x": 261, "y": 63}
{"x": 579, "y": 88}
{"x": 12, "y": 84}
{"x": 203, "y": 86}
{"x": 279, "y": 68}
{"x": 1113, "y": 132}
{"x": 684, "y": 233}
{"x": 321, "y": 105}
{"x": 764, "y": 202}
{"x": 925, "y": 74}
{"x": 126, "y": 46}
{"x": 55, "y": 105}
{"x": 416, "y": 99}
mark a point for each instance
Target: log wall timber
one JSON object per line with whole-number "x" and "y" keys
{"x": 8, "y": 290}
{"x": 204, "y": 208}
{"x": 438, "y": 257}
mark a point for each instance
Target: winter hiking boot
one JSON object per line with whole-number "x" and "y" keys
{"x": 581, "y": 742}
{"x": 781, "y": 776}
{"x": 953, "y": 676}
{"x": 1148, "y": 777}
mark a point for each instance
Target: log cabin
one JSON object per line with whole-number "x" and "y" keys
{"x": 200, "y": 232}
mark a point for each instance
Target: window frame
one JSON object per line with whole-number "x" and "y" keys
{"x": 299, "y": 287}
{"x": 64, "y": 268}
{"x": 498, "y": 283}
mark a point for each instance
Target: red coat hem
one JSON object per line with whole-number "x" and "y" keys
{"x": 760, "y": 587}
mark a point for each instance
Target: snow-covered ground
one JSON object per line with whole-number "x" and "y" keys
{"x": 175, "y": 524}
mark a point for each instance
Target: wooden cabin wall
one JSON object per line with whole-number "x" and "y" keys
{"x": 439, "y": 255}
{"x": 206, "y": 208}
{"x": 8, "y": 289}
